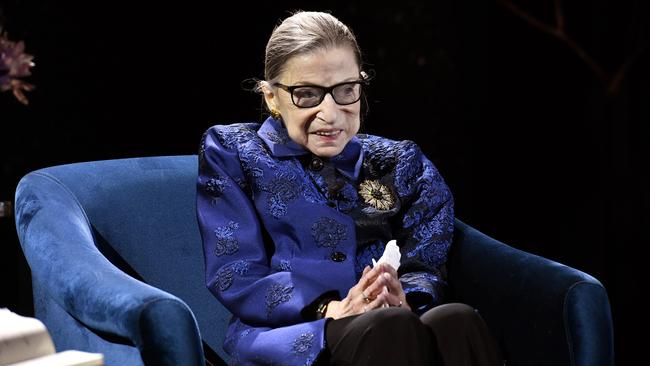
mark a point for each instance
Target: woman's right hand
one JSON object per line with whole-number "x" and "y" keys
{"x": 357, "y": 301}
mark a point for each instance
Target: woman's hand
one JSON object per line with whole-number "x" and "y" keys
{"x": 356, "y": 302}
{"x": 377, "y": 287}
{"x": 387, "y": 289}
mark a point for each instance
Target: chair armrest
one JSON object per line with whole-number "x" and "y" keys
{"x": 57, "y": 240}
{"x": 542, "y": 312}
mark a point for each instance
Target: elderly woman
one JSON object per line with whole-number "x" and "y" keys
{"x": 293, "y": 212}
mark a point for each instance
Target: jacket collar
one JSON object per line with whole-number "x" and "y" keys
{"x": 276, "y": 137}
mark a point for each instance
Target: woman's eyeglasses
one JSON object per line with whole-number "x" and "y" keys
{"x": 308, "y": 96}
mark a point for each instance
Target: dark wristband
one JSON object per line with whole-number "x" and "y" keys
{"x": 322, "y": 309}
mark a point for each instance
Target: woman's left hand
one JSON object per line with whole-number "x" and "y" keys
{"x": 378, "y": 287}
{"x": 387, "y": 289}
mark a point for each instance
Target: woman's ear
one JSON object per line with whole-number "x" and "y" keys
{"x": 269, "y": 96}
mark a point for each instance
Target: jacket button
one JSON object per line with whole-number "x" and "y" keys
{"x": 338, "y": 256}
{"x": 316, "y": 164}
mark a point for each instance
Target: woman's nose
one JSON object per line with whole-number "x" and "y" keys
{"x": 328, "y": 109}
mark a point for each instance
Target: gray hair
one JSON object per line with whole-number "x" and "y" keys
{"x": 305, "y": 32}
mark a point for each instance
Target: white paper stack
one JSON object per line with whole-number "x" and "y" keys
{"x": 65, "y": 358}
{"x": 25, "y": 341}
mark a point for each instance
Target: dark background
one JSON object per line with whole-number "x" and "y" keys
{"x": 539, "y": 151}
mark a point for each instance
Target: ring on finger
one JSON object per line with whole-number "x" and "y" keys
{"x": 397, "y": 306}
{"x": 365, "y": 309}
{"x": 365, "y": 298}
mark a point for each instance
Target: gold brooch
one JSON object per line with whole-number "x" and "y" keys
{"x": 376, "y": 195}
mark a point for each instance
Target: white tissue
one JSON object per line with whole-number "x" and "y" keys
{"x": 391, "y": 255}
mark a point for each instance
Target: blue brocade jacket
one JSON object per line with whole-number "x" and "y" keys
{"x": 283, "y": 229}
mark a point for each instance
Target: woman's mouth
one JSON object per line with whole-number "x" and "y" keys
{"x": 329, "y": 135}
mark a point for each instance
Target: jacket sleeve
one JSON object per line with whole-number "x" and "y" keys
{"x": 299, "y": 344}
{"x": 237, "y": 261}
{"x": 426, "y": 228}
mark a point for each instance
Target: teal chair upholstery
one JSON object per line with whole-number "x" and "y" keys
{"x": 117, "y": 268}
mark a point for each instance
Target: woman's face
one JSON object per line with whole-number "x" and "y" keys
{"x": 326, "y": 128}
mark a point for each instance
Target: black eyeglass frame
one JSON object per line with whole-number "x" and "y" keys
{"x": 326, "y": 90}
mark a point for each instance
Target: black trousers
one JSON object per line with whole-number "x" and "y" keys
{"x": 449, "y": 335}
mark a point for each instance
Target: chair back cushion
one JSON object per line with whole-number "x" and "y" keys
{"x": 143, "y": 213}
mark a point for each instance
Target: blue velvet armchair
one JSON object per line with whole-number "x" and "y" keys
{"x": 117, "y": 268}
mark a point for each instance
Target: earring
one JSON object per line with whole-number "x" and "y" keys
{"x": 275, "y": 114}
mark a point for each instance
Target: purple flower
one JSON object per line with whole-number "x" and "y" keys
{"x": 14, "y": 64}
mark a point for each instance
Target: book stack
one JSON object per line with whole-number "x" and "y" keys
{"x": 25, "y": 341}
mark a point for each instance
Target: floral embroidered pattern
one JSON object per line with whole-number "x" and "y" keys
{"x": 402, "y": 159}
{"x": 202, "y": 150}
{"x": 430, "y": 218}
{"x": 366, "y": 254}
{"x": 276, "y": 295}
{"x": 381, "y": 154}
{"x": 281, "y": 191}
{"x": 226, "y": 242}
{"x": 434, "y": 238}
{"x": 328, "y": 232}
{"x": 236, "y": 134}
{"x": 415, "y": 214}
{"x": 254, "y": 153}
{"x": 284, "y": 266}
{"x": 251, "y": 171}
{"x": 303, "y": 343}
{"x": 226, "y": 275}
{"x": 420, "y": 281}
{"x": 216, "y": 185}
{"x": 433, "y": 193}
{"x": 278, "y": 137}
{"x": 408, "y": 168}
{"x": 376, "y": 195}
{"x": 246, "y": 332}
